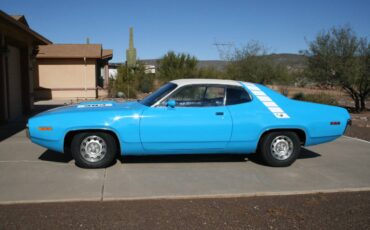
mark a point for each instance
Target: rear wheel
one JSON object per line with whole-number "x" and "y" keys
{"x": 280, "y": 149}
{"x": 93, "y": 149}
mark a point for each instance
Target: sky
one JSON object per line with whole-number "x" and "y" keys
{"x": 191, "y": 26}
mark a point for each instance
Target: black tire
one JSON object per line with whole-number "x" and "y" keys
{"x": 109, "y": 145}
{"x": 269, "y": 156}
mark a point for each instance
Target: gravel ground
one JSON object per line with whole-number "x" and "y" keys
{"x": 358, "y": 132}
{"x": 350, "y": 210}
{"x": 360, "y": 126}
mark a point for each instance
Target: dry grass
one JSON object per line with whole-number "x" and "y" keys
{"x": 310, "y": 90}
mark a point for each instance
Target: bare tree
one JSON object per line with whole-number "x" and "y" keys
{"x": 337, "y": 57}
{"x": 253, "y": 63}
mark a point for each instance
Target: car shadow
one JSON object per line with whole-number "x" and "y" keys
{"x": 11, "y": 128}
{"x": 53, "y": 156}
{"x": 183, "y": 158}
{"x": 305, "y": 154}
{"x": 17, "y": 125}
{"x": 198, "y": 158}
{"x": 39, "y": 108}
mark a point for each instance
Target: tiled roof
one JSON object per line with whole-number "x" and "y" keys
{"x": 70, "y": 51}
{"x": 21, "y": 19}
{"x": 21, "y": 23}
{"x": 107, "y": 54}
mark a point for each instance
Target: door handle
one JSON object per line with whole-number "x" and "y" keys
{"x": 219, "y": 113}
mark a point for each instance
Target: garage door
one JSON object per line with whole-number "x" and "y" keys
{"x": 14, "y": 83}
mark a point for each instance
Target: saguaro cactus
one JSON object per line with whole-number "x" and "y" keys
{"x": 131, "y": 51}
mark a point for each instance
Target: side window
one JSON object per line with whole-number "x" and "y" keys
{"x": 214, "y": 96}
{"x": 189, "y": 96}
{"x": 237, "y": 95}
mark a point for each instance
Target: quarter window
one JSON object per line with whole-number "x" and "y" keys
{"x": 237, "y": 95}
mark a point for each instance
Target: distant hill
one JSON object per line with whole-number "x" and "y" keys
{"x": 217, "y": 64}
{"x": 294, "y": 61}
{"x": 291, "y": 61}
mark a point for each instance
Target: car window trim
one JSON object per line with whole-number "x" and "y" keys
{"x": 141, "y": 101}
{"x": 164, "y": 97}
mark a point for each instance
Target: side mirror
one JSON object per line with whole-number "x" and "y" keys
{"x": 171, "y": 103}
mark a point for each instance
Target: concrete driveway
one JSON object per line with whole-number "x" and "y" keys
{"x": 29, "y": 173}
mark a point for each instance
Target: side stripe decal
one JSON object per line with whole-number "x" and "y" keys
{"x": 266, "y": 100}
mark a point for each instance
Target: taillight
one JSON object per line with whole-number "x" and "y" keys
{"x": 45, "y": 128}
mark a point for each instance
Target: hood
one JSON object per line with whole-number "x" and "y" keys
{"x": 93, "y": 106}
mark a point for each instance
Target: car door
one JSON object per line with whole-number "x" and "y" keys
{"x": 248, "y": 120}
{"x": 199, "y": 121}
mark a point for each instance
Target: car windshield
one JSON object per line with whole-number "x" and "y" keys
{"x": 157, "y": 95}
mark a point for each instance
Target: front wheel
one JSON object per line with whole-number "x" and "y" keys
{"x": 280, "y": 149}
{"x": 93, "y": 149}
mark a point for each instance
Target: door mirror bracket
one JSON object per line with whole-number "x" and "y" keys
{"x": 171, "y": 103}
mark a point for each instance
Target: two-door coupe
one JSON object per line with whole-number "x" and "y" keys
{"x": 190, "y": 116}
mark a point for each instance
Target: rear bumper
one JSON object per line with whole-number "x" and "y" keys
{"x": 349, "y": 123}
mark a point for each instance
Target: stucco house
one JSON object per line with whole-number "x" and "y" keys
{"x": 18, "y": 47}
{"x": 72, "y": 71}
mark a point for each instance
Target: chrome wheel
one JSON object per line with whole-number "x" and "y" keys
{"x": 282, "y": 147}
{"x": 93, "y": 148}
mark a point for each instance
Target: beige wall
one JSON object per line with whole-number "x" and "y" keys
{"x": 65, "y": 78}
{"x": 73, "y": 94}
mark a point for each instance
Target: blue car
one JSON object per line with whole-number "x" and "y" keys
{"x": 190, "y": 116}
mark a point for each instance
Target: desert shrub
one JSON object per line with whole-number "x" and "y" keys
{"x": 176, "y": 65}
{"x": 126, "y": 82}
{"x": 111, "y": 89}
{"x": 254, "y": 63}
{"x": 210, "y": 72}
{"x": 284, "y": 91}
{"x": 133, "y": 81}
{"x": 299, "y": 96}
{"x": 321, "y": 98}
{"x": 146, "y": 83}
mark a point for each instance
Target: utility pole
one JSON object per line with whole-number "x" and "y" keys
{"x": 223, "y": 49}
{"x": 128, "y": 80}
{"x": 85, "y": 80}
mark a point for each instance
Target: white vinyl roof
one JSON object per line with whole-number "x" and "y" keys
{"x": 189, "y": 81}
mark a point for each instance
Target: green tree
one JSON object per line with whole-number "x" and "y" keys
{"x": 364, "y": 78}
{"x": 252, "y": 63}
{"x": 338, "y": 57}
{"x": 174, "y": 66}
